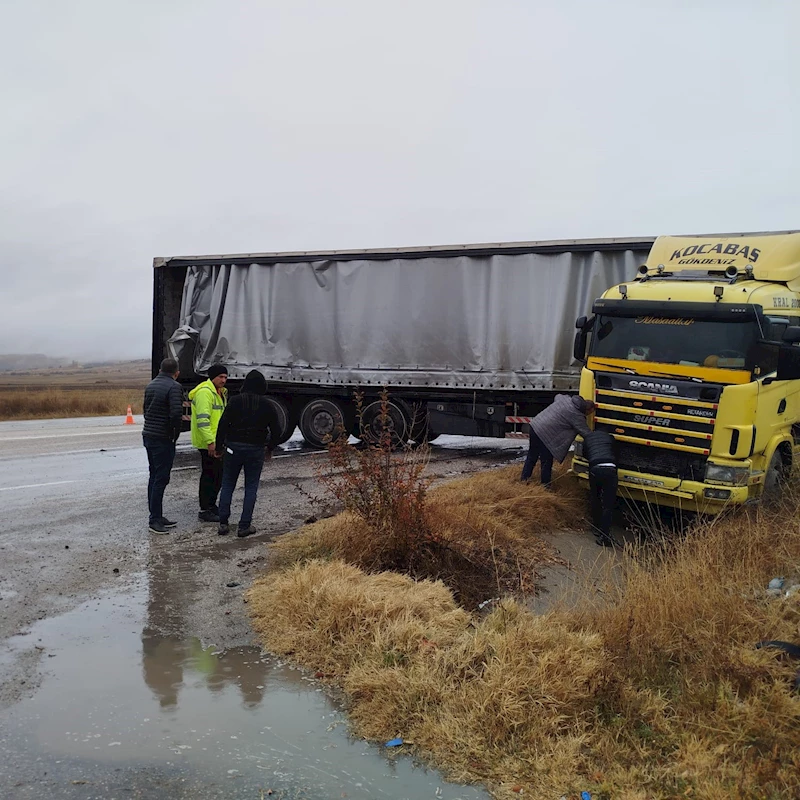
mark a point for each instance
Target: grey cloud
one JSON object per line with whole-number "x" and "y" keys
{"x": 141, "y": 129}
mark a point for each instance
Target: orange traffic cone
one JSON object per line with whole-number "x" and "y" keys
{"x": 129, "y": 418}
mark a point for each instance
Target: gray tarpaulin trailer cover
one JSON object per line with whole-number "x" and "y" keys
{"x": 462, "y": 321}
{"x": 469, "y": 339}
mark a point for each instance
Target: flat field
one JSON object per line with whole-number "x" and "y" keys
{"x": 74, "y": 391}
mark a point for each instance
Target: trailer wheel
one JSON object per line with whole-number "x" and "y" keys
{"x": 323, "y": 420}
{"x": 426, "y": 434}
{"x": 284, "y": 420}
{"x": 374, "y": 424}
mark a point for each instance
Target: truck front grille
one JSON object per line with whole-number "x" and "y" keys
{"x": 652, "y": 460}
{"x": 673, "y": 424}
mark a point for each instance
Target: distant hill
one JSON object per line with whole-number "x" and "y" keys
{"x": 25, "y": 361}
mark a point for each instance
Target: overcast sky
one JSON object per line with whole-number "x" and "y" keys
{"x": 144, "y": 128}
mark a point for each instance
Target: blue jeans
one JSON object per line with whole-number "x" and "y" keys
{"x": 238, "y": 455}
{"x": 536, "y": 451}
{"x": 160, "y": 455}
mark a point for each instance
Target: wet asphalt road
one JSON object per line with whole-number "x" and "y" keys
{"x": 96, "y": 615}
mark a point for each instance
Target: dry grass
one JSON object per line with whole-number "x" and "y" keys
{"x": 657, "y": 691}
{"x": 485, "y": 529}
{"x": 38, "y": 403}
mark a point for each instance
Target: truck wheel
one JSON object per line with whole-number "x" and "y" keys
{"x": 282, "y": 413}
{"x": 774, "y": 479}
{"x": 426, "y": 435}
{"x": 374, "y": 424}
{"x": 322, "y": 420}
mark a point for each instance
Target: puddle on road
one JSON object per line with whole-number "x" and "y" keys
{"x": 123, "y": 711}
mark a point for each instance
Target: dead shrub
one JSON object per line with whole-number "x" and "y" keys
{"x": 486, "y": 526}
{"x": 387, "y": 491}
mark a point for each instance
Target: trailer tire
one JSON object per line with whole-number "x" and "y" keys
{"x": 372, "y": 425}
{"x": 284, "y": 419}
{"x": 426, "y": 435}
{"x": 322, "y": 421}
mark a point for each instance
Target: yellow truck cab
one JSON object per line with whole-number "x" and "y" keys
{"x": 694, "y": 369}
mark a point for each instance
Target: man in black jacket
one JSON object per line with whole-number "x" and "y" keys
{"x": 599, "y": 449}
{"x": 163, "y": 410}
{"x": 244, "y": 433}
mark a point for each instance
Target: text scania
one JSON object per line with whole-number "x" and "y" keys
{"x": 720, "y": 248}
{"x": 647, "y": 386}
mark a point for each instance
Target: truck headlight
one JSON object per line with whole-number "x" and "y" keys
{"x": 717, "y": 473}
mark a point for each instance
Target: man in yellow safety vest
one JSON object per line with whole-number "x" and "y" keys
{"x": 208, "y": 403}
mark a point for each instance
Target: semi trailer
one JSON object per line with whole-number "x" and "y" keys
{"x": 470, "y": 339}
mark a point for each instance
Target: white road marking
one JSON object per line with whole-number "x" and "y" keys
{"x": 180, "y": 449}
{"x": 299, "y": 453}
{"x": 61, "y": 483}
{"x": 65, "y": 453}
{"x": 34, "y": 485}
{"x": 68, "y": 435}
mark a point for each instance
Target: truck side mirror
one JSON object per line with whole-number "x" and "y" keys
{"x": 788, "y": 362}
{"x": 791, "y": 335}
{"x": 583, "y": 325}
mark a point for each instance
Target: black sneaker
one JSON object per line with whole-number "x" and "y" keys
{"x": 248, "y": 531}
{"x": 167, "y": 523}
{"x": 208, "y": 516}
{"x": 158, "y": 527}
{"x": 224, "y": 529}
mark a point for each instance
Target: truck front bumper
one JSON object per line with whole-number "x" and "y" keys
{"x": 704, "y": 498}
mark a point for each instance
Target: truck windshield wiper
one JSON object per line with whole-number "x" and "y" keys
{"x": 654, "y": 372}
{"x": 617, "y": 366}
{"x": 660, "y": 374}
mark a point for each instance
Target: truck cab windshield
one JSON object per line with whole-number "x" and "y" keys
{"x": 684, "y": 341}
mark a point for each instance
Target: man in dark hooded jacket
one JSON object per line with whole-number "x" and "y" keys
{"x": 163, "y": 409}
{"x": 553, "y": 431}
{"x": 243, "y": 434}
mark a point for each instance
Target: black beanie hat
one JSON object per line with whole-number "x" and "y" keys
{"x": 217, "y": 369}
{"x": 582, "y": 405}
{"x": 255, "y": 383}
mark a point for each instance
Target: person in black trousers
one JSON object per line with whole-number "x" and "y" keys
{"x": 163, "y": 410}
{"x": 599, "y": 449}
{"x": 243, "y": 435}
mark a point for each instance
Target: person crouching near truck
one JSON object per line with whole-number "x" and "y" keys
{"x": 552, "y": 433}
{"x": 599, "y": 449}
{"x": 208, "y": 402}
{"x": 244, "y": 437}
